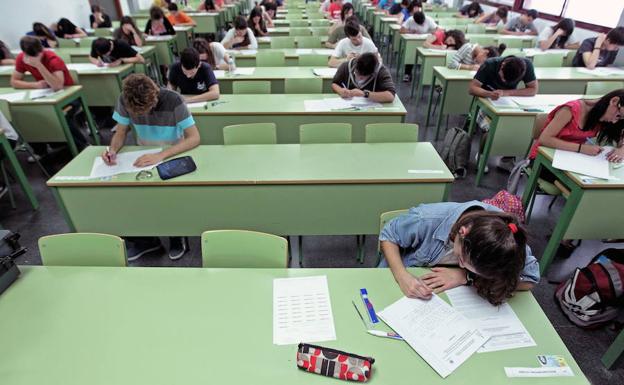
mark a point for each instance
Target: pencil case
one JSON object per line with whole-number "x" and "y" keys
{"x": 334, "y": 363}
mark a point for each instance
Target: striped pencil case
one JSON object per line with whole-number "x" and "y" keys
{"x": 334, "y": 363}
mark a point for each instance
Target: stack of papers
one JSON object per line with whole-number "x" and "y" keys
{"x": 594, "y": 166}
{"x": 325, "y": 72}
{"x": 84, "y": 67}
{"x": 323, "y": 51}
{"x": 237, "y": 71}
{"x": 125, "y": 164}
{"x": 334, "y": 104}
{"x": 602, "y": 71}
{"x": 38, "y": 94}
{"x": 303, "y": 51}
{"x": 13, "y": 96}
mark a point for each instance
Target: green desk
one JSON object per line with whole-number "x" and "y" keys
{"x": 43, "y": 120}
{"x": 247, "y": 58}
{"x": 184, "y": 35}
{"x": 276, "y": 75}
{"x": 5, "y": 75}
{"x": 207, "y": 22}
{"x": 286, "y": 22}
{"x": 82, "y": 332}
{"x": 288, "y": 189}
{"x": 297, "y": 31}
{"x": 288, "y": 112}
{"x": 165, "y": 46}
{"x": 101, "y": 86}
{"x": 264, "y": 42}
{"x": 589, "y": 210}
{"x": 5, "y": 148}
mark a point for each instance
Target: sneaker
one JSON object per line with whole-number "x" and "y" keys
{"x": 139, "y": 248}
{"x": 486, "y": 169}
{"x": 178, "y": 246}
{"x": 33, "y": 158}
{"x": 407, "y": 78}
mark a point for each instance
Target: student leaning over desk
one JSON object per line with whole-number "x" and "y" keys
{"x": 487, "y": 245}
{"x": 193, "y": 78}
{"x": 599, "y": 51}
{"x": 366, "y": 77}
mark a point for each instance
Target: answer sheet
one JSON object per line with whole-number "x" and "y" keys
{"x": 500, "y": 323}
{"x": 325, "y": 72}
{"x": 504, "y": 101}
{"x": 84, "y": 67}
{"x": 442, "y": 336}
{"x": 125, "y": 163}
{"x": 13, "y": 96}
{"x": 596, "y": 166}
{"x": 302, "y": 311}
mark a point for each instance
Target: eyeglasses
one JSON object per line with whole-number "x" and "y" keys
{"x": 144, "y": 175}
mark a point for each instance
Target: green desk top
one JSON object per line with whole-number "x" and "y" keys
{"x": 288, "y": 52}
{"x": 359, "y": 163}
{"x": 272, "y": 73}
{"x": 589, "y": 183}
{"x": 89, "y": 69}
{"x": 267, "y": 39}
{"x": 521, "y": 110}
{"x": 285, "y": 104}
{"x": 542, "y": 73}
{"x": 7, "y": 70}
{"x": 86, "y": 51}
{"x": 55, "y": 98}
{"x": 413, "y": 36}
{"x": 164, "y": 326}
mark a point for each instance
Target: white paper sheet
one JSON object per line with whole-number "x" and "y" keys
{"x": 38, "y": 94}
{"x": 442, "y": 336}
{"x": 504, "y": 101}
{"x": 362, "y": 102}
{"x": 333, "y": 104}
{"x": 13, "y": 96}
{"x": 325, "y": 72}
{"x": 196, "y": 105}
{"x": 539, "y": 372}
{"x": 602, "y": 71}
{"x": 125, "y": 163}
{"x": 244, "y": 71}
{"x": 543, "y": 100}
{"x": 303, "y": 51}
{"x": 317, "y": 105}
{"x": 302, "y": 311}
{"x": 596, "y": 166}
{"x": 84, "y": 67}
{"x": 536, "y": 51}
{"x": 500, "y": 323}
{"x": 323, "y": 51}
{"x": 158, "y": 38}
{"x": 416, "y": 35}
{"x": 219, "y": 73}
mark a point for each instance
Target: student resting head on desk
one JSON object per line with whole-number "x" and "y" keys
{"x": 99, "y": 19}
{"x": 128, "y": 32}
{"x": 193, "y": 78}
{"x": 65, "y": 29}
{"x": 364, "y": 76}
{"x": 6, "y": 58}
{"x": 210, "y": 6}
{"x": 522, "y": 25}
{"x": 160, "y": 118}
{"x": 559, "y": 36}
{"x": 212, "y": 53}
{"x": 471, "y": 10}
{"x": 337, "y": 32}
{"x": 111, "y": 53}
{"x": 441, "y": 39}
{"x": 471, "y": 56}
{"x": 497, "y": 18}
{"x": 419, "y": 23}
{"x": 177, "y": 17}
{"x": 599, "y": 51}
{"x": 488, "y": 246}
{"x": 44, "y": 34}
{"x": 158, "y": 24}
{"x": 500, "y": 76}
{"x": 240, "y": 37}
{"x": 351, "y": 46}
{"x": 256, "y": 22}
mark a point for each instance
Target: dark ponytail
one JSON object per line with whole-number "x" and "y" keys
{"x": 493, "y": 51}
{"x": 609, "y": 132}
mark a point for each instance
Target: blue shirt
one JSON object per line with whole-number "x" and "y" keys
{"x": 383, "y": 4}
{"x": 422, "y": 235}
{"x": 405, "y": 13}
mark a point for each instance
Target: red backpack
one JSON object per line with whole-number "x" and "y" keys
{"x": 594, "y": 295}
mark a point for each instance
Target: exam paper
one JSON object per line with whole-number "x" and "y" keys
{"x": 596, "y": 166}
{"x": 602, "y": 71}
{"x": 84, "y": 67}
{"x": 325, "y": 72}
{"x": 317, "y": 105}
{"x": 196, "y": 105}
{"x": 504, "y": 101}
{"x": 302, "y": 311}
{"x": 442, "y": 336}
{"x": 125, "y": 163}
{"x": 244, "y": 71}
{"x": 333, "y": 104}
{"x": 500, "y": 323}
{"x": 303, "y": 51}
{"x": 323, "y": 51}
{"x": 38, "y": 94}
{"x": 13, "y": 96}
{"x": 543, "y": 100}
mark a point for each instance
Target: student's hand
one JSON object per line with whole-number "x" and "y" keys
{"x": 559, "y": 32}
{"x": 344, "y": 93}
{"x": 109, "y": 157}
{"x": 599, "y": 40}
{"x": 352, "y": 55}
{"x": 493, "y": 95}
{"x": 590, "y": 149}
{"x": 616, "y": 155}
{"x": 414, "y": 287}
{"x": 238, "y": 39}
{"x": 475, "y": 67}
{"x": 41, "y": 84}
{"x": 100, "y": 63}
{"x": 443, "y": 278}
{"x": 32, "y": 61}
{"x": 149, "y": 160}
{"x": 115, "y": 63}
{"x": 357, "y": 92}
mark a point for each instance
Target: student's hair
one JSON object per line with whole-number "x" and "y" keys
{"x": 419, "y": 17}
{"x": 414, "y": 4}
{"x": 567, "y": 25}
{"x": 494, "y": 250}
{"x": 95, "y": 8}
{"x": 502, "y": 12}
{"x": 42, "y": 31}
{"x": 474, "y": 6}
{"x": 514, "y": 68}
{"x": 346, "y": 7}
{"x": 458, "y": 36}
{"x": 493, "y": 51}
{"x": 256, "y": 12}
{"x": 352, "y": 27}
{"x": 156, "y": 13}
{"x": 172, "y": 7}
{"x": 366, "y": 64}
{"x": 532, "y": 13}
{"x": 139, "y": 94}
{"x": 209, "y": 5}
{"x": 240, "y": 23}
{"x": 127, "y": 20}
{"x": 189, "y": 58}
{"x": 101, "y": 46}
{"x": 31, "y": 46}
{"x": 405, "y": 3}
{"x": 616, "y": 35}
{"x": 65, "y": 26}
{"x": 609, "y": 132}
{"x": 202, "y": 45}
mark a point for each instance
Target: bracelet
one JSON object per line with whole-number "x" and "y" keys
{"x": 579, "y": 149}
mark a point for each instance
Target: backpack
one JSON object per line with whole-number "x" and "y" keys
{"x": 455, "y": 151}
{"x": 507, "y": 202}
{"x": 592, "y": 297}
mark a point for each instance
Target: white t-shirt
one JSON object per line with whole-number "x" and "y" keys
{"x": 428, "y": 26}
{"x": 218, "y": 52}
{"x": 9, "y": 131}
{"x": 253, "y": 43}
{"x": 547, "y": 32}
{"x": 345, "y": 47}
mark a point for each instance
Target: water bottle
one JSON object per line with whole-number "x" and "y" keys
{"x": 231, "y": 64}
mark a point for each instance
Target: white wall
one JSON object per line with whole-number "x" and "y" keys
{"x": 17, "y": 18}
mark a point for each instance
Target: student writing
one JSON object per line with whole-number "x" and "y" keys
{"x": 212, "y": 53}
{"x": 352, "y": 46}
{"x": 599, "y": 51}
{"x": 240, "y": 37}
{"x": 158, "y": 24}
{"x": 364, "y": 76}
{"x": 193, "y": 78}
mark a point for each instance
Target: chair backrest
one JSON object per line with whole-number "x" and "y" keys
{"x": 5, "y": 110}
{"x": 251, "y": 87}
{"x": 554, "y": 59}
{"x": 383, "y": 219}
{"x": 266, "y": 58}
{"x": 309, "y": 42}
{"x": 82, "y": 249}
{"x": 313, "y": 60}
{"x": 303, "y": 86}
{"x": 243, "y": 249}
{"x": 475, "y": 28}
{"x": 449, "y": 56}
{"x": 483, "y": 41}
{"x": 538, "y": 125}
{"x": 510, "y": 42}
{"x": 391, "y": 133}
{"x": 298, "y": 23}
{"x": 602, "y": 88}
{"x": 325, "y": 133}
{"x": 282, "y": 42}
{"x": 300, "y": 31}
{"x": 251, "y": 133}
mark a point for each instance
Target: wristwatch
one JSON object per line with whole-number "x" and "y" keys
{"x": 366, "y": 94}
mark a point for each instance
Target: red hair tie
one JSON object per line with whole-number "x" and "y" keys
{"x": 513, "y": 228}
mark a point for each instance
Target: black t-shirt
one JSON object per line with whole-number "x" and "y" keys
{"x": 395, "y": 9}
{"x": 106, "y": 24}
{"x": 470, "y": 12}
{"x": 121, "y": 50}
{"x": 606, "y": 57}
{"x": 270, "y": 7}
{"x": 488, "y": 75}
{"x": 200, "y": 83}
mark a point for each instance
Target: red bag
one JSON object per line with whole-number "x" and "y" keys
{"x": 507, "y": 202}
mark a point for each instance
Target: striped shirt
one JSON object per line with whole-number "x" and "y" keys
{"x": 462, "y": 56}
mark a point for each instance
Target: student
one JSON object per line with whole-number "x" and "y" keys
{"x": 324, "y": 9}
{"x": 209, "y": 6}
{"x": 337, "y": 32}
{"x": 193, "y": 78}
{"x": 128, "y": 32}
{"x": 599, "y": 51}
{"x": 500, "y": 76}
{"x": 257, "y": 22}
{"x": 352, "y": 46}
{"x": 560, "y": 35}
{"x": 65, "y": 29}
{"x": 177, "y": 17}
{"x": 160, "y": 118}
{"x": 419, "y": 23}
{"x": 44, "y": 34}
{"x": 6, "y": 58}
{"x": 498, "y": 17}
{"x": 488, "y": 246}
{"x": 240, "y": 37}
{"x": 99, "y": 19}
{"x": 397, "y": 7}
{"x": 384, "y": 5}
{"x": 409, "y": 11}
{"x": 111, "y": 53}
{"x": 522, "y": 25}
{"x": 440, "y": 39}
{"x": 471, "y": 10}
{"x": 334, "y": 10}
{"x": 569, "y": 126}
{"x": 212, "y": 53}
{"x": 270, "y": 7}
{"x": 158, "y": 24}
{"x": 471, "y": 56}
{"x": 364, "y": 76}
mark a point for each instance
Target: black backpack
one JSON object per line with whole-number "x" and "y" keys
{"x": 455, "y": 151}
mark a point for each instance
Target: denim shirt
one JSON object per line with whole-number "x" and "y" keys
{"x": 422, "y": 235}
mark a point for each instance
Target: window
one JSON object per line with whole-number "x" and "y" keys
{"x": 599, "y": 12}
{"x": 551, "y": 7}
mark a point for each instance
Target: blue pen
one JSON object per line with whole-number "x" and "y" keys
{"x": 369, "y": 306}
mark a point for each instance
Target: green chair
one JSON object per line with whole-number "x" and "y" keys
{"x": 251, "y": 87}
{"x": 243, "y": 249}
{"x": 391, "y": 133}
{"x": 475, "y": 28}
{"x": 251, "y": 133}
{"x": 449, "y": 56}
{"x": 102, "y": 32}
{"x": 282, "y": 42}
{"x": 64, "y": 55}
{"x": 74, "y": 76}
{"x": 313, "y": 60}
{"x": 602, "y": 88}
{"x": 266, "y": 58}
{"x": 300, "y": 32}
{"x": 316, "y": 31}
{"x": 82, "y": 249}
{"x": 303, "y": 86}
{"x": 298, "y": 23}
{"x": 483, "y": 41}
{"x": 510, "y": 42}
{"x": 449, "y": 21}
{"x": 66, "y": 43}
{"x": 383, "y": 219}
{"x": 309, "y": 42}
{"x": 319, "y": 23}
{"x": 548, "y": 59}
{"x": 315, "y": 133}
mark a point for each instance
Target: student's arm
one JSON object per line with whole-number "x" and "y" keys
{"x": 548, "y": 137}
{"x": 525, "y": 286}
{"x": 573, "y": 45}
{"x": 475, "y": 90}
{"x": 330, "y": 45}
{"x": 335, "y": 62}
{"x": 229, "y": 39}
{"x": 342, "y": 91}
{"x": 79, "y": 33}
{"x": 411, "y": 286}
{"x": 428, "y": 43}
{"x": 96, "y": 60}
{"x": 213, "y": 93}
{"x": 381, "y": 97}
{"x": 7, "y": 61}
{"x": 135, "y": 59}
{"x": 117, "y": 142}
{"x": 18, "y": 82}
{"x": 253, "y": 43}
{"x": 136, "y": 36}
{"x": 55, "y": 79}
{"x": 483, "y": 17}
{"x": 530, "y": 90}
{"x": 190, "y": 141}
{"x": 590, "y": 58}
{"x": 546, "y": 44}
